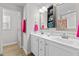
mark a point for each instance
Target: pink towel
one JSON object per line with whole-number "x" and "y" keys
{"x": 36, "y": 27}
{"x": 78, "y": 31}
{"x": 24, "y": 26}
{"x": 42, "y": 27}
{"x": 77, "y": 34}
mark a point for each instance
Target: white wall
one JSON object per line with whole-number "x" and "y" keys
{"x": 10, "y": 36}
{"x": 64, "y": 8}
{"x": 30, "y": 10}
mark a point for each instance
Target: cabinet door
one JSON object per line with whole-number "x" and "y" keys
{"x": 41, "y": 47}
{"x": 56, "y": 49}
{"x": 63, "y": 50}
{"x": 50, "y": 51}
{"x": 34, "y": 45}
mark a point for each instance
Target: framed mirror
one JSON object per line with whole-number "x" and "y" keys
{"x": 71, "y": 19}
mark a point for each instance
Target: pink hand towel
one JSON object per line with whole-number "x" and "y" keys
{"x": 78, "y": 31}
{"x": 42, "y": 27}
{"x": 77, "y": 34}
{"x": 36, "y": 27}
{"x": 24, "y": 26}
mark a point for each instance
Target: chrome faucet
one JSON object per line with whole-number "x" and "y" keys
{"x": 65, "y": 36}
{"x": 41, "y": 32}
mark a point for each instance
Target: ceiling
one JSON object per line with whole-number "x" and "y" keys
{"x": 14, "y": 4}
{"x": 21, "y": 5}
{"x": 40, "y": 5}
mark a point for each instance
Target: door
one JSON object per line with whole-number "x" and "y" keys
{"x": 11, "y": 27}
{"x": 19, "y": 32}
{"x": 50, "y": 51}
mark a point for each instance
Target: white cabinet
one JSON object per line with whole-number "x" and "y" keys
{"x": 34, "y": 45}
{"x": 56, "y": 49}
{"x": 49, "y": 49}
{"x": 37, "y": 46}
{"x": 41, "y": 47}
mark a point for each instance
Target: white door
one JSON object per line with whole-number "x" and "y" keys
{"x": 19, "y": 32}
{"x": 17, "y": 27}
{"x": 12, "y": 27}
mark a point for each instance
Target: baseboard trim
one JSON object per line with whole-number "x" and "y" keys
{"x": 10, "y": 43}
{"x": 26, "y": 52}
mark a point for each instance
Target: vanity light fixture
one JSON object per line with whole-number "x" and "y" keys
{"x": 43, "y": 9}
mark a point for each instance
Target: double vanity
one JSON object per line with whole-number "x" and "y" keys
{"x": 52, "y": 45}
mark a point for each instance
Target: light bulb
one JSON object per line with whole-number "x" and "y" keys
{"x": 44, "y": 8}
{"x": 41, "y": 11}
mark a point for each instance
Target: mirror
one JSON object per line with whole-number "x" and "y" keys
{"x": 47, "y": 19}
{"x": 66, "y": 17}
{"x": 43, "y": 20}
{"x": 71, "y": 20}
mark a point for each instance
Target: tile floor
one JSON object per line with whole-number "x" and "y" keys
{"x": 14, "y": 50}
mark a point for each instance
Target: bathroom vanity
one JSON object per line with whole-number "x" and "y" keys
{"x": 46, "y": 45}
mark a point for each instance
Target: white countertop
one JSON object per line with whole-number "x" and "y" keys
{"x": 68, "y": 42}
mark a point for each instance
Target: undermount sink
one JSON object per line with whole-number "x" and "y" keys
{"x": 61, "y": 39}
{"x": 64, "y": 40}
{"x": 65, "y": 37}
{"x": 55, "y": 37}
{"x": 70, "y": 41}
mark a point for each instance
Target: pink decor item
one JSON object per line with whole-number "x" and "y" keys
{"x": 78, "y": 31}
{"x": 24, "y": 25}
{"x": 77, "y": 34}
{"x": 36, "y": 27}
{"x": 43, "y": 27}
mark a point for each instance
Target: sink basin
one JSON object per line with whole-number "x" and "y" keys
{"x": 61, "y": 39}
{"x": 65, "y": 37}
{"x": 73, "y": 42}
{"x": 70, "y": 41}
{"x": 55, "y": 37}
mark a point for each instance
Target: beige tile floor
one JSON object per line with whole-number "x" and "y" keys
{"x": 14, "y": 50}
